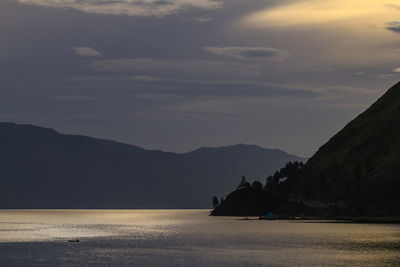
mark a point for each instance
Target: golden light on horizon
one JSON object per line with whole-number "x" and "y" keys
{"x": 325, "y": 12}
{"x": 334, "y": 32}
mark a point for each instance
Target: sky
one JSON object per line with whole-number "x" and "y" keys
{"x": 176, "y": 75}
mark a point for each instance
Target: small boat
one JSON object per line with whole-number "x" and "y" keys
{"x": 268, "y": 216}
{"x": 74, "y": 240}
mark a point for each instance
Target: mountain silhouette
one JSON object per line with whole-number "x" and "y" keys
{"x": 41, "y": 168}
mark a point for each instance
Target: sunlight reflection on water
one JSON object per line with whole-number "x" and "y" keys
{"x": 187, "y": 237}
{"x": 42, "y": 225}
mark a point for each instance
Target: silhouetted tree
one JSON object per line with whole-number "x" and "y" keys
{"x": 222, "y": 200}
{"x": 257, "y": 186}
{"x": 290, "y": 170}
{"x": 243, "y": 183}
{"x": 269, "y": 183}
{"x": 215, "y": 201}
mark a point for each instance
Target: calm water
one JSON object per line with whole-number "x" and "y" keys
{"x": 187, "y": 238}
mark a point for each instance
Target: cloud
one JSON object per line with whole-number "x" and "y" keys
{"x": 86, "y": 52}
{"x": 203, "y": 19}
{"x": 169, "y": 88}
{"x": 75, "y": 98}
{"x": 310, "y": 12}
{"x": 142, "y": 8}
{"x": 346, "y": 96}
{"x": 360, "y": 73}
{"x": 330, "y": 33}
{"x": 174, "y": 68}
{"x": 396, "y": 69}
{"x": 386, "y": 76}
{"x": 393, "y": 26}
{"x": 393, "y": 6}
{"x": 149, "y": 96}
{"x": 235, "y": 89}
{"x": 143, "y": 78}
{"x": 224, "y": 107}
{"x": 247, "y": 52}
{"x": 199, "y": 19}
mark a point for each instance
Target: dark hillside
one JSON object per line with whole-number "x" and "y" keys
{"x": 356, "y": 173}
{"x": 359, "y": 168}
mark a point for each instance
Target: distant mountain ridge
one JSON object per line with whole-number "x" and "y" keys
{"x": 356, "y": 173}
{"x": 41, "y": 168}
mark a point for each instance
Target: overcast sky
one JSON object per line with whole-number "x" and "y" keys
{"x": 176, "y": 75}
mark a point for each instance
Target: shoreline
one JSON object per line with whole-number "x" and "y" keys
{"x": 309, "y": 219}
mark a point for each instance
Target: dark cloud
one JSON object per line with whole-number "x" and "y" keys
{"x": 151, "y": 88}
{"x": 75, "y": 98}
{"x": 248, "y": 52}
{"x": 193, "y": 89}
{"x": 178, "y": 68}
{"x": 162, "y": 3}
{"x": 393, "y": 26}
{"x": 143, "y": 8}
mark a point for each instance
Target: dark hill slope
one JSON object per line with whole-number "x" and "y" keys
{"x": 40, "y": 168}
{"x": 358, "y": 170}
{"x": 356, "y": 173}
